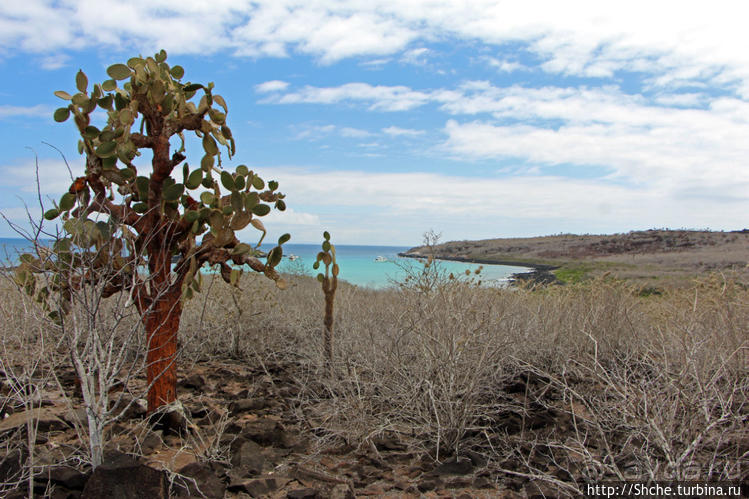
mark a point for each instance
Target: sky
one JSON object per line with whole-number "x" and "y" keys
{"x": 382, "y": 120}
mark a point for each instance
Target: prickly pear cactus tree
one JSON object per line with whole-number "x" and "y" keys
{"x": 144, "y": 214}
{"x": 329, "y": 282}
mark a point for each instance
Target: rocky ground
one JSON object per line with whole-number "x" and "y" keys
{"x": 235, "y": 441}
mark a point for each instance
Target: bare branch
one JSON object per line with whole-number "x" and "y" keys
{"x": 142, "y": 141}
{"x": 102, "y": 204}
{"x": 177, "y": 158}
{"x": 192, "y": 121}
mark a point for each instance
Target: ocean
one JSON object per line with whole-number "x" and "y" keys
{"x": 358, "y": 264}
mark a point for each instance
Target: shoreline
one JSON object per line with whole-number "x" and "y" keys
{"x": 540, "y": 273}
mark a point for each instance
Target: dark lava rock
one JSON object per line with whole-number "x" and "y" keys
{"x": 510, "y": 422}
{"x": 454, "y": 467}
{"x": 541, "y": 418}
{"x": 429, "y": 484}
{"x": 77, "y": 416}
{"x": 132, "y": 407}
{"x": 16, "y": 494}
{"x": 199, "y": 413}
{"x": 525, "y": 381}
{"x": 11, "y": 467}
{"x": 46, "y": 420}
{"x": 247, "y": 459}
{"x": 8, "y": 406}
{"x": 258, "y": 487}
{"x": 123, "y": 477}
{"x": 65, "y": 476}
{"x": 267, "y": 432}
{"x": 459, "y": 483}
{"x": 307, "y": 493}
{"x": 151, "y": 442}
{"x": 341, "y": 491}
{"x": 232, "y": 429}
{"x": 201, "y": 480}
{"x": 541, "y": 490}
{"x": 244, "y": 405}
{"x": 482, "y": 482}
{"x": 194, "y": 381}
{"x": 63, "y": 493}
{"x": 477, "y": 459}
{"x": 388, "y": 443}
{"x": 171, "y": 419}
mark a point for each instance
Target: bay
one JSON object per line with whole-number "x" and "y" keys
{"x": 358, "y": 264}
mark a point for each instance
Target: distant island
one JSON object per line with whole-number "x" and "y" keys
{"x": 656, "y": 256}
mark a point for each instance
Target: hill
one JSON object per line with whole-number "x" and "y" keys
{"x": 668, "y": 256}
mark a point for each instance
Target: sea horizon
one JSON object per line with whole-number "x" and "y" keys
{"x": 373, "y": 266}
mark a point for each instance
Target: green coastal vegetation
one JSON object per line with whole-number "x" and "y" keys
{"x": 630, "y": 363}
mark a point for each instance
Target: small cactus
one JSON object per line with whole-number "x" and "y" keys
{"x": 329, "y": 282}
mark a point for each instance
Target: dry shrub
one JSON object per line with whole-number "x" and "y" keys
{"x": 27, "y": 364}
{"x": 560, "y": 384}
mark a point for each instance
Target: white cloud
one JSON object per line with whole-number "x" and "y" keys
{"x": 53, "y": 62}
{"x": 382, "y": 97}
{"x": 471, "y": 207}
{"x": 675, "y": 41}
{"x": 638, "y": 139}
{"x": 271, "y": 86}
{"x": 356, "y": 133}
{"x": 682, "y": 100}
{"x": 53, "y": 175}
{"x": 400, "y": 132}
{"x": 672, "y": 156}
{"x": 293, "y": 217}
{"x": 19, "y": 215}
{"x": 417, "y": 56}
{"x": 375, "y": 63}
{"x": 504, "y": 65}
{"x": 330, "y": 32}
{"x": 316, "y": 132}
{"x": 38, "y": 111}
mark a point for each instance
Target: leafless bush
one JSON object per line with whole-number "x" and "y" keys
{"x": 558, "y": 385}
{"x": 27, "y": 364}
{"x": 97, "y": 333}
{"x": 567, "y": 383}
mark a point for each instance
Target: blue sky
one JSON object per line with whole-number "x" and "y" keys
{"x": 382, "y": 120}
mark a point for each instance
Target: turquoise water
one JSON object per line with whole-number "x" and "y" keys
{"x": 358, "y": 266}
{"x": 357, "y": 263}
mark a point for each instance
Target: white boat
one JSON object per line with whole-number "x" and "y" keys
{"x": 380, "y": 259}
{"x": 293, "y": 257}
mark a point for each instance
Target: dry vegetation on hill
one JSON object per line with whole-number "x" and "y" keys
{"x": 652, "y": 257}
{"x": 439, "y": 388}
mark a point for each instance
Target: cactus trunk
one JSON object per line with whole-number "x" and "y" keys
{"x": 162, "y": 324}
{"x": 328, "y": 322}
